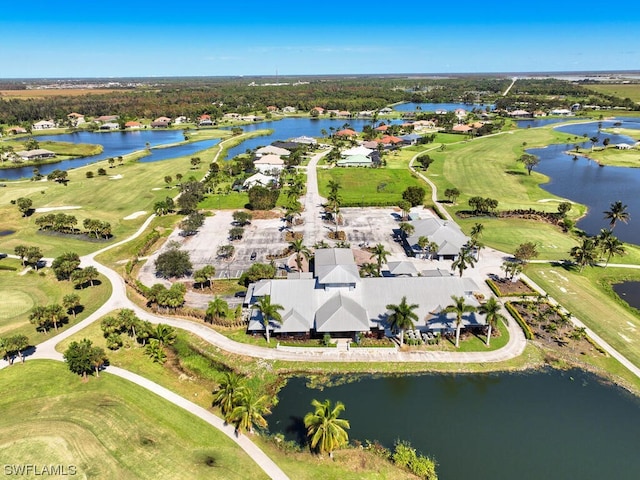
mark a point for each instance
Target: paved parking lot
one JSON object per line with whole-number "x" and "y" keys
{"x": 264, "y": 237}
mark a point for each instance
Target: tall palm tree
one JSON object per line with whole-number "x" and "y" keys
{"x": 617, "y": 212}
{"x": 218, "y": 308}
{"x": 476, "y": 231}
{"x": 71, "y": 302}
{"x": 249, "y": 411}
{"x": 465, "y": 260}
{"x": 227, "y": 393}
{"x": 459, "y": 307}
{"x": 270, "y": 312}
{"x": 422, "y": 243}
{"x": 380, "y": 254}
{"x": 402, "y": 317}
{"x": 369, "y": 270}
{"x": 491, "y": 310}
{"x": 585, "y": 253}
{"x": 56, "y": 313}
{"x": 326, "y": 431}
{"x": 610, "y": 245}
{"x": 300, "y": 250}
{"x": 407, "y": 229}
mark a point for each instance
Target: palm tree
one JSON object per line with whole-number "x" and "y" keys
{"x": 129, "y": 321}
{"x": 56, "y": 313}
{"x": 491, "y": 310}
{"x": 617, "y": 211}
{"x": 407, "y": 229}
{"x": 402, "y": 317}
{"x": 380, "y": 254}
{"x": 369, "y": 270}
{"x": 165, "y": 334}
{"x": 300, "y": 250}
{"x": 476, "y": 231}
{"x": 227, "y": 393}
{"x": 90, "y": 274}
{"x": 326, "y": 431}
{"x": 422, "y": 243}
{"x": 71, "y": 302}
{"x": 217, "y": 309}
{"x": 585, "y": 254}
{"x": 610, "y": 245}
{"x": 459, "y": 307}
{"x": 270, "y": 312}
{"x": 249, "y": 411}
{"x": 465, "y": 260}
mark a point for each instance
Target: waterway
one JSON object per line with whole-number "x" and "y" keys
{"x": 543, "y": 425}
{"x": 115, "y": 144}
{"x": 449, "y": 107}
{"x": 584, "y": 181}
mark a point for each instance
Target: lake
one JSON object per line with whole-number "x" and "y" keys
{"x": 114, "y": 144}
{"x": 584, "y": 181}
{"x": 542, "y": 425}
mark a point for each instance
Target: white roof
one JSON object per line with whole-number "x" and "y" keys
{"x": 269, "y": 160}
{"x": 270, "y": 149}
{"x": 447, "y": 235}
{"x": 260, "y": 178}
{"x": 356, "y": 151}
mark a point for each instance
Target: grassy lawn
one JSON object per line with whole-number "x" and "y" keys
{"x": 108, "y": 428}
{"x": 20, "y": 293}
{"x": 373, "y": 186}
{"x": 588, "y": 296}
{"x": 615, "y": 157}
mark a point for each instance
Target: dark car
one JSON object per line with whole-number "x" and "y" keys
{"x": 253, "y": 256}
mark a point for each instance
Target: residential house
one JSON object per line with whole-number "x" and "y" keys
{"x": 271, "y": 150}
{"x": 385, "y": 110}
{"x": 44, "y": 125}
{"x": 76, "y": 118}
{"x": 289, "y": 109}
{"x": 106, "y": 118}
{"x": 563, "y": 112}
{"x": 355, "y": 161}
{"x": 259, "y": 179}
{"x": 16, "y": 130}
{"x": 520, "y": 114}
{"x": 161, "y": 122}
{"x": 180, "y": 120}
{"x": 335, "y": 300}
{"x": 410, "y": 139}
{"x": 133, "y": 125}
{"x": 36, "y": 154}
{"x": 347, "y": 132}
{"x": 269, "y": 163}
{"x": 110, "y": 126}
{"x": 461, "y": 128}
{"x": 320, "y": 110}
{"x": 304, "y": 140}
{"x": 231, "y": 116}
{"x": 360, "y": 150}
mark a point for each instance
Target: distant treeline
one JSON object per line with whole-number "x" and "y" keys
{"x": 216, "y": 96}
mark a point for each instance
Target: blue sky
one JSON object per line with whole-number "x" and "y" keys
{"x": 73, "y": 38}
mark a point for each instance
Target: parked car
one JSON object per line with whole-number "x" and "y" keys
{"x": 253, "y": 256}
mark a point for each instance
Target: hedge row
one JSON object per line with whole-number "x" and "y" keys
{"x": 528, "y": 334}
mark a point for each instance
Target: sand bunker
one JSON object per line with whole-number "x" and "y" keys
{"x": 115, "y": 177}
{"x": 52, "y": 209}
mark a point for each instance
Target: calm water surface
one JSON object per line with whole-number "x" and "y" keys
{"x": 629, "y": 292}
{"x": 544, "y": 425}
{"x": 115, "y": 144}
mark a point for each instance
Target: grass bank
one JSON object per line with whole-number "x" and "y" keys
{"x": 108, "y": 428}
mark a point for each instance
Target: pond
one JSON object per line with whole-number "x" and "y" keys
{"x": 629, "y": 292}
{"x": 114, "y": 144}
{"x": 541, "y": 122}
{"x": 543, "y": 425}
{"x": 584, "y": 181}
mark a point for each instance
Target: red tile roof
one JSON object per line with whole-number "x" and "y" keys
{"x": 347, "y": 132}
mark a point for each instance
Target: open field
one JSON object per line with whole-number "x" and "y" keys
{"x": 631, "y": 91}
{"x": 20, "y": 293}
{"x": 369, "y": 186}
{"x": 108, "y": 428}
{"x": 55, "y": 92}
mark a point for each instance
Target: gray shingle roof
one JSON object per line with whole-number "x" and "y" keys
{"x": 341, "y": 314}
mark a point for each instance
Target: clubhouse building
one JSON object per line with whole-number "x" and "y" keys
{"x": 336, "y": 300}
